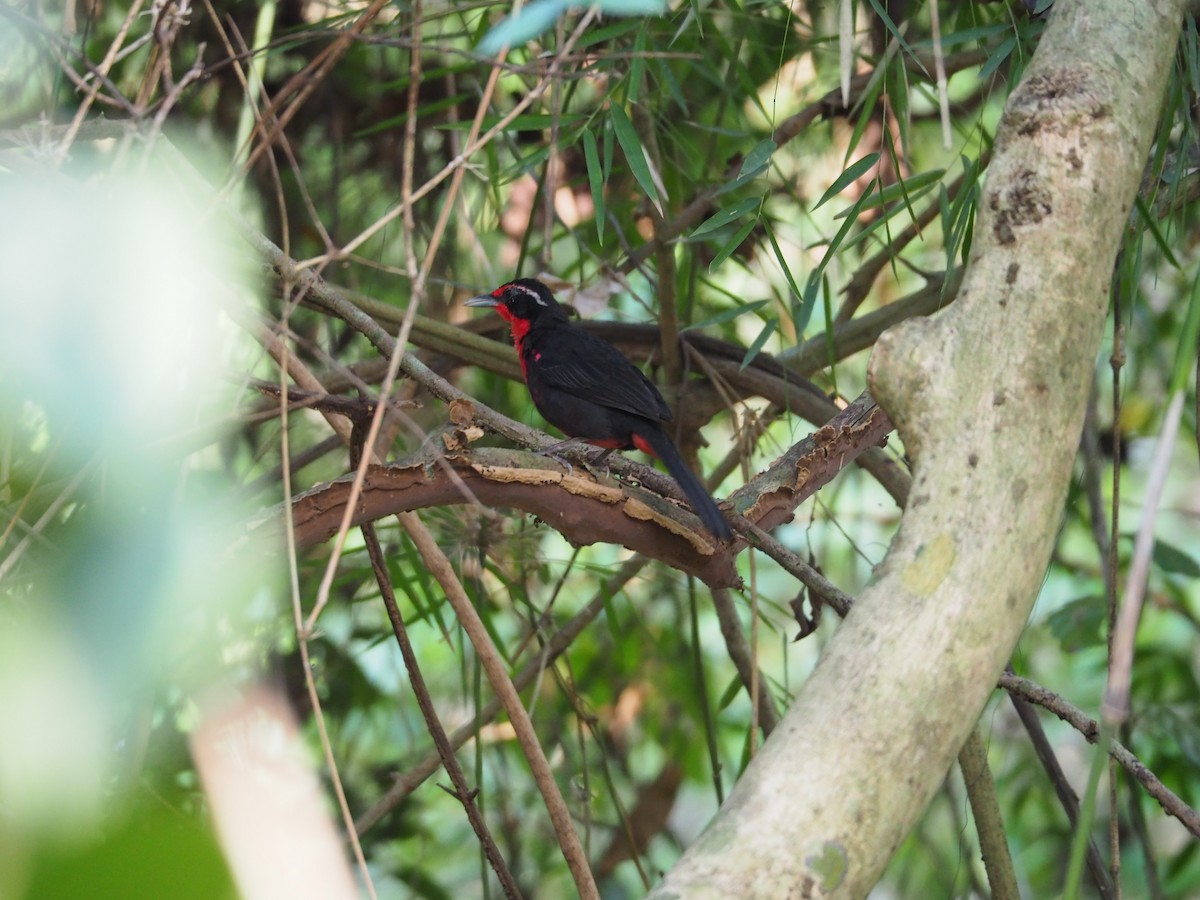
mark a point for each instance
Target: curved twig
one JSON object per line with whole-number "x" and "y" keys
{"x": 1090, "y": 729}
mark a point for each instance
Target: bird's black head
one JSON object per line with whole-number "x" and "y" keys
{"x": 523, "y": 303}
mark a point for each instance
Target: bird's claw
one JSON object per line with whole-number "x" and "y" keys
{"x": 550, "y": 453}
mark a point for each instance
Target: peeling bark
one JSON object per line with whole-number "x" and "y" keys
{"x": 588, "y": 511}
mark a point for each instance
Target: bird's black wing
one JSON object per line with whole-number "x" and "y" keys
{"x": 583, "y": 365}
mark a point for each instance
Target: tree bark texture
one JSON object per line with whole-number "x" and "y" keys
{"x": 989, "y": 398}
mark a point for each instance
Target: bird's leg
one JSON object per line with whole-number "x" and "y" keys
{"x": 601, "y": 458}
{"x": 554, "y": 448}
{"x": 551, "y": 452}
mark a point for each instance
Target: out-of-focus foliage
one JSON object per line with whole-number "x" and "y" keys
{"x": 788, "y": 217}
{"x": 117, "y": 575}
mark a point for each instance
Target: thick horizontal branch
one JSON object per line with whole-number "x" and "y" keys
{"x": 580, "y": 508}
{"x": 587, "y": 511}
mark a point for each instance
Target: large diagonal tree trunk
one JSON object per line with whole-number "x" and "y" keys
{"x": 989, "y": 398}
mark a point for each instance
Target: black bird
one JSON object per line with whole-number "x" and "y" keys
{"x": 586, "y": 388}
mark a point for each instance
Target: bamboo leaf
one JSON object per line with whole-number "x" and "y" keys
{"x": 591, "y": 155}
{"x": 635, "y": 155}
{"x": 534, "y": 18}
{"x": 1151, "y": 223}
{"x": 895, "y": 33}
{"x": 1189, "y": 338}
{"x": 851, "y": 175}
{"x": 757, "y": 158}
{"x": 727, "y": 315}
{"x": 911, "y": 187}
{"x": 636, "y": 67}
{"x": 732, "y": 244}
{"x": 726, "y": 216}
{"x": 540, "y": 16}
{"x": 996, "y": 60}
{"x": 779, "y": 258}
{"x": 814, "y": 279}
{"x": 608, "y": 32}
{"x": 1171, "y": 559}
{"x": 631, "y": 7}
{"x": 768, "y": 329}
{"x": 884, "y": 219}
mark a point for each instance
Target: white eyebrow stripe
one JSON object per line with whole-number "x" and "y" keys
{"x": 531, "y": 292}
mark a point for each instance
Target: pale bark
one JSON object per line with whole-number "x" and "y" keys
{"x": 989, "y": 398}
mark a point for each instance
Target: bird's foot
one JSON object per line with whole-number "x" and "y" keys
{"x": 591, "y": 464}
{"x": 551, "y": 452}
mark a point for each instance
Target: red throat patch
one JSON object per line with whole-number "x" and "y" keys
{"x": 520, "y": 327}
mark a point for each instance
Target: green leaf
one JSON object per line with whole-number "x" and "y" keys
{"x": 607, "y": 32}
{"x": 744, "y": 177}
{"x": 830, "y": 346}
{"x": 884, "y": 219}
{"x": 814, "y": 279}
{"x": 1079, "y": 623}
{"x": 968, "y": 233}
{"x": 947, "y": 222}
{"x": 732, "y": 244}
{"x": 1151, "y": 223}
{"x": 611, "y": 619}
{"x": 666, "y": 76}
{"x": 534, "y": 18}
{"x": 727, "y": 315}
{"x": 633, "y": 84}
{"x": 608, "y": 152}
{"x": 983, "y": 34}
{"x": 851, "y": 175}
{"x": 726, "y": 216}
{"x": 631, "y": 7}
{"x": 962, "y": 206}
{"x": 1173, "y": 727}
{"x": 996, "y": 60}
{"x": 802, "y": 310}
{"x": 865, "y": 108}
{"x": 779, "y": 258}
{"x": 1172, "y": 559}
{"x": 520, "y": 123}
{"x": 591, "y": 155}
{"x": 757, "y": 158}
{"x": 895, "y": 33}
{"x": 635, "y": 156}
{"x": 187, "y": 860}
{"x": 768, "y": 329}
{"x": 396, "y": 123}
{"x": 731, "y": 690}
{"x": 1189, "y": 337}
{"x": 910, "y": 186}
{"x": 897, "y": 89}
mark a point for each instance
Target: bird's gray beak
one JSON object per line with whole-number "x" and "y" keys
{"x": 483, "y": 300}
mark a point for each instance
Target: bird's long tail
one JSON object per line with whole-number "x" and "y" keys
{"x": 658, "y": 443}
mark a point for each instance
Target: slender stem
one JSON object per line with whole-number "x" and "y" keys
{"x": 462, "y": 791}
{"x": 981, "y": 791}
{"x": 493, "y": 666}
